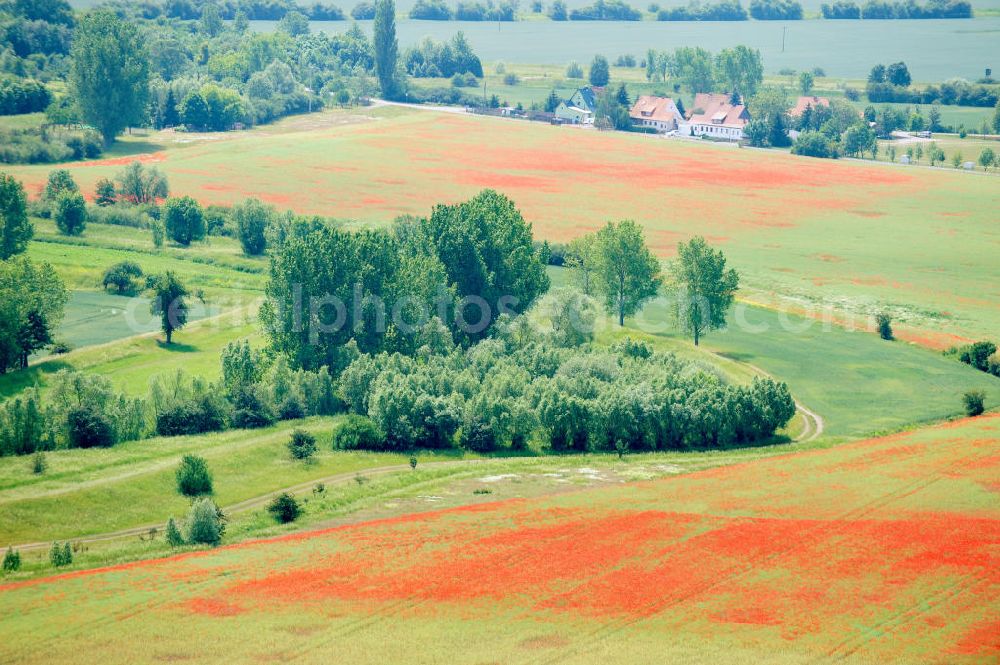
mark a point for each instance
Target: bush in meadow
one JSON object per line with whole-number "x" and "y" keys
{"x": 11, "y": 561}
{"x": 284, "y": 508}
{"x": 174, "y": 537}
{"x": 206, "y": 523}
{"x": 302, "y": 445}
{"x": 974, "y": 402}
{"x": 193, "y": 476}
{"x": 358, "y": 433}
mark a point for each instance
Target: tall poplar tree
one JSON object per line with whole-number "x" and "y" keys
{"x": 386, "y": 47}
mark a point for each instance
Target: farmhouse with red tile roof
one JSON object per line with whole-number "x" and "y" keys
{"x": 660, "y": 113}
{"x": 802, "y": 103}
{"x": 715, "y": 116}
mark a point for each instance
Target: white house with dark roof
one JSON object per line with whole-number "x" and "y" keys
{"x": 580, "y": 108}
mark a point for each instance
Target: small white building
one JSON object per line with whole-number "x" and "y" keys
{"x": 715, "y": 116}
{"x": 579, "y": 109}
{"x": 659, "y": 113}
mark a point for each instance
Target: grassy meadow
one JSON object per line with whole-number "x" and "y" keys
{"x": 824, "y": 544}
{"x": 804, "y": 233}
{"x": 765, "y": 560}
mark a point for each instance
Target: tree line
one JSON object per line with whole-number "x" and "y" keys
{"x": 891, "y": 83}
{"x": 883, "y": 9}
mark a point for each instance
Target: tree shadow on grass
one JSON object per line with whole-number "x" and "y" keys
{"x": 175, "y": 347}
{"x": 129, "y": 148}
{"x": 15, "y": 381}
{"x": 738, "y": 356}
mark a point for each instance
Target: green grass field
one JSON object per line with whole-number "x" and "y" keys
{"x": 859, "y": 384}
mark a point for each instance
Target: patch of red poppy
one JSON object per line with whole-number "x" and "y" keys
{"x": 213, "y": 607}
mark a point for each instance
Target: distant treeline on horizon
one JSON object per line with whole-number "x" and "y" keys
{"x": 600, "y": 10}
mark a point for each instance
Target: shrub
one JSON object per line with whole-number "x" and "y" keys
{"x": 814, "y": 144}
{"x": 123, "y": 276}
{"x": 11, "y": 561}
{"x": 358, "y": 433}
{"x": 284, "y": 508}
{"x": 606, "y": 10}
{"x": 39, "y": 463}
{"x": 70, "y": 213}
{"x": 302, "y": 445}
{"x": 88, "y": 428}
{"x": 363, "y": 11}
{"x": 978, "y": 355}
{"x": 193, "y": 476}
{"x": 574, "y": 71}
{"x": 174, "y": 537}
{"x": 974, "y": 402}
{"x": 104, "y": 193}
{"x": 136, "y": 217}
{"x": 60, "y": 347}
{"x": 60, "y": 555}
{"x": 206, "y": 523}
{"x": 884, "y": 322}
{"x": 250, "y": 411}
{"x": 511, "y": 79}
{"x": 633, "y": 348}
{"x": 291, "y": 408}
{"x": 159, "y": 233}
{"x": 196, "y": 416}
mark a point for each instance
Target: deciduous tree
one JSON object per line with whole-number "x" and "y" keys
{"x": 70, "y": 213}
{"x": 705, "y": 288}
{"x": 169, "y": 303}
{"x": 184, "y": 219}
{"x": 138, "y": 184}
{"x": 600, "y": 73}
{"x": 252, "y": 220}
{"x": 15, "y": 227}
{"x": 627, "y": 273}
{"x": 740, "y": 69}
{"x": 109, "y": 73}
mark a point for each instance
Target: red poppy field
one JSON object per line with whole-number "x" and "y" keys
{"x": 885, "y": 550}
{"x": 909, "y": 238}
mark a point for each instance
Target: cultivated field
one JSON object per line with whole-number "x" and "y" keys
{"x": 878, "y": 551}
{"x": 804, "y": 233}
{"x": 935, "y": 50}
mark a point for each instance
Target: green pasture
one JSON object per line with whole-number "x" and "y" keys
{"x": 93, "y": 317}
{"x": 859, "y": 384}
{"x": 131, "y": 362}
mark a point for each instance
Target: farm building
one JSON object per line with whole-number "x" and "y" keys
{"x": 579, "y": 109}
{"x": 802, "y": 103}
{"x": 715, "y": 116}
{"x": 660, "y": 113}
